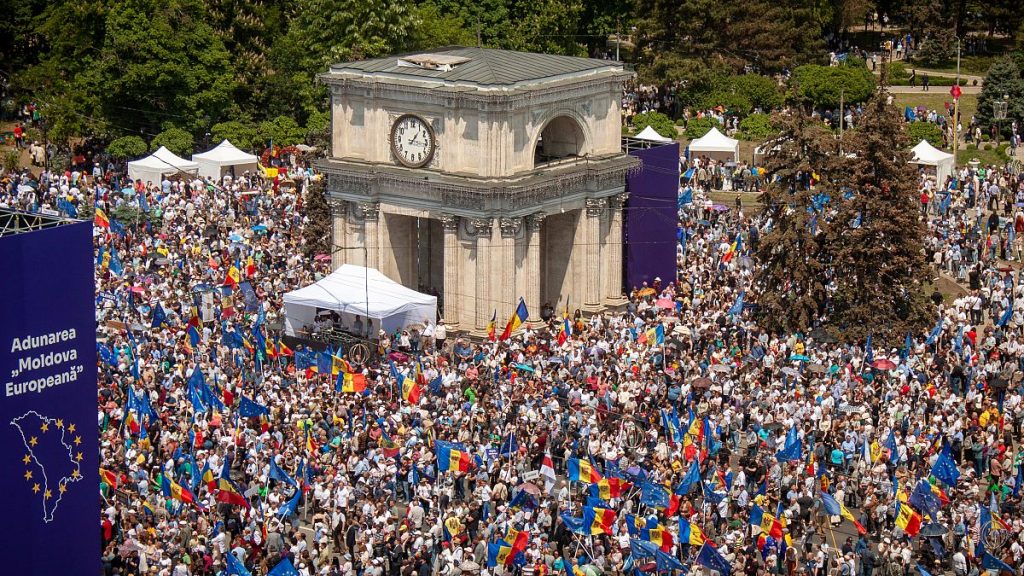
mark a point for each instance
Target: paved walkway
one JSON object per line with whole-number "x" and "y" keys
{"x": 942, "y": 90}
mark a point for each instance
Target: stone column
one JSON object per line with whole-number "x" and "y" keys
{"x": 505, "y": 291}
{"x": 453, "y": 257}
{"x": 611, "y": 251}
{"x": 596, "y": 209}
{"x": 531, "y": 264}
{"x": 371, "y": 233}
{"x": 481, "y": 228}
{"x": 339, "y": 233}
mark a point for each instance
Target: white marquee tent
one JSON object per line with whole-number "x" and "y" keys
{"x": 153, "y": 167}
{"x": 927, "y": 155}
{"x": 717, "y": 146}
{"x": 219, "y": 161}
{"x": 346, "y": 291}
{"x": 650, "y": 134}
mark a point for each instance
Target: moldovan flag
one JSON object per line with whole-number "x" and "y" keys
{"x": 100, "y": 219}
{"x": 608, "y": 488}
{"x": 284, "y": 350}
{"x": 271, "y": 349}
{"x": 229, "y": 493}
{"x": 598, "y": 520}
{"x": 582, "y": 471}
{"x": 735, "y": 247}
{"x": 172, "y": 489}
{"x": 109, "y": 477}
{"x": 232, "y": 278}
{"x": 491, "y": 326}
{"x": 350, "y": 383}
{"x": 451, "y": 458}
{"x": 908, "y": 519}
{"x": 517, "y": 319}
{"x": 565, "y": 330}
{"x": 250, "y": 267}
{"x": 411, "y": 391}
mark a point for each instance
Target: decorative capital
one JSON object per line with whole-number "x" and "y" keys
{"x": 595, "y": 206}
{"x": 479, "y": 227}
{"x": 369, "y": 210}
{"x": 618, "y": 201}
{"x": 510, "y": 226}
{"x": 338, "y": 207}
{"x": 535, "y": 221}
{"x": 449, "y": 222}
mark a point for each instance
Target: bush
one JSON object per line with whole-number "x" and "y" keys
{"x": 10, "y": 161}
{"x": 127, "y": 147}
{"x": 176, "y": 140}
{"x": 898, "y": 72}
{"x": 918, "y": 131}
{"x": 757, "y": 127}
{"x": 972, "y": 147}
{"x": 282, "y": 131}
{"x": 662, "y": 124}
{"x": 823, "y": 85}
{"x": 700, "y": 126}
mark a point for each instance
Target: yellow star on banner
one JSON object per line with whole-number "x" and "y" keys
{"x": 79, "y": 456}
{"x": 28, "y": 474}
{"x": 33, "y": 441}
{"x": 71, "y": 428}
{"x": 45, "y": 427}
{"x": 62, "y": 488}
{"x": 78, "y": 440}
{"x": 47, "y": 495}
{"x": 35, "y": 488}
{"x": 76, "y": 474}
{"x": 27, "y": 459}
{"x": 60, "y": 422}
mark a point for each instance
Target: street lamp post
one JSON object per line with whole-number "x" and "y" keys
{"x": 999, "y": 114}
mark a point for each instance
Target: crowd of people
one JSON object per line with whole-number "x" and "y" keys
{"x": 674, "y": 435}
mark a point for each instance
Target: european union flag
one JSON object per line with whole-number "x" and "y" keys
{"x": 709, "y": 558}
{"x": 250, "y": 409}
{"x": 435, "y": 385}
{"x": 793, "y": 448}
{"x": 665, "y": 562}
{"x": 643, "y": 548}
{"x": 509, "y": 446}
{"x": 691, "y": 479}
{"x": 235, "y": 566}
{"x": 945, "y": 468}
{"x": 283, "y": 568}
{"x": 990, "y": 562}
{"x": 737, "y": 306}
{"x": 1005, "y": 318}
{"x": 654, "y": 495}
{"x": 159, "y": 316}
{"x": 574, "y": 525}
{"x": 289, "y": 507}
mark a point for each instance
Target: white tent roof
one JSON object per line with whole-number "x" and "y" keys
{"x": 715, "y": 141}
{"x": 225, "y": 154}
{"x": 346, "y": 291}
{"x": 652, "y": 135}
{"x": 161, "y": 162}
{"x": 925, "y": 153}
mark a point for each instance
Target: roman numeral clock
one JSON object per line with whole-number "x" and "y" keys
{"x": 412, "y": 141}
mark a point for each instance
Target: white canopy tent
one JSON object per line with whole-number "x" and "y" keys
{"x": 153, "y": 167}
{"x": 346, "y": 292}
{"x": 927, "y": 155}
{"x": 652, "y": 135}
{"x": 219, "y": 161}
{"x": 717, "y": 146}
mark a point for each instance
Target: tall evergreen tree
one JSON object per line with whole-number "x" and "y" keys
{"x": 1003, "y": 80}
{"x": 792, "y": 280}
{"x": 316, "y": 235}
{"x": 877, "y": 236}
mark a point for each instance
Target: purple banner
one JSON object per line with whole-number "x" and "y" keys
{"x": 650, "y": 233}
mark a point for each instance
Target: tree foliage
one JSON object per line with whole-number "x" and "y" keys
{"x": 917, "y": 131}
{"x": 176, "y": 140}
{"x": 877, "y": 234}
{"x": 758, "y": 127}
{"x": 698, "y": 127}
{"x": 241, "y": 134}
{"x": 127, "y": 147}
{"x": 662, "y": 124}
{"x": 317, "y": 233}
{"x": 824, "y": 85}
{"x": 794, "y": 270}
{"x": 1003, "y": 80}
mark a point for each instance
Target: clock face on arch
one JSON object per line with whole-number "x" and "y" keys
{"x": 412, "y": 141}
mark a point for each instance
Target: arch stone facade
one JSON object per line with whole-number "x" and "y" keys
{"x": 481, "y": 223}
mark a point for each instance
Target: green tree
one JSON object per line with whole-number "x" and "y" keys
{"x": 435, "y": 28}
{"x": 174, "y": 139}
{"x": 662, "y": 124}
{"x": 824, "y": 85}
{"x": 282, "y": 131}
{"x": 241, "y": 134}
{"x": 317, "y": 232}
{"x": 1003, "y": 81}
{"x": 698, "y": 127}
{"x": 795, "y": 267}
{"x": 248, "y": 30}
{"x": 162, "y": 63}
{"x": 917, "y": 131}
{"x": 127, "y": 147}
{"x": 877, "y": 236}
{"x": 758, "y": 127}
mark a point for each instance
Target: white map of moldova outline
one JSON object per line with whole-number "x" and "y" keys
{"x": 49, "y": 502}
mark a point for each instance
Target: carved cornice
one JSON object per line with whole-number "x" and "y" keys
{"x": 596, "y": 206}
{"x": 510, "y": 227}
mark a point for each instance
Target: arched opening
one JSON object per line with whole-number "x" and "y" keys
{"x": 562, "y": 137}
